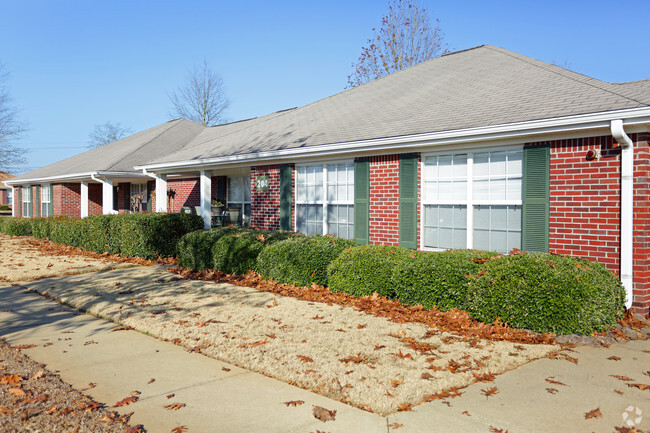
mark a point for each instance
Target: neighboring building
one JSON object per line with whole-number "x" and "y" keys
{"x": 6, "y": 192}
{"x": 483, "y": 148}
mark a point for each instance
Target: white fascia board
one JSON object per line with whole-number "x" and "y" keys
{"x": 74, "y": 176}
{"x": 530, "y": 129}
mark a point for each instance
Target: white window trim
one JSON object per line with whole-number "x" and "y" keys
{"x": 325, "y": 201}
{"x": 468, "y": 202}
{"x": 45, "y": 187}
{"x": 242, "y": 203}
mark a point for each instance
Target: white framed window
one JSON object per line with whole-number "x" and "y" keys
{"x": 26, "y": 195}
{"x": 239, "y": 196}
{"x": 138, "y": 197}
{"x": 473, "y": 200}
{"x": 45, "y": 200}
{"x": 325, "y": 199}
{"x": 10, "y": 196}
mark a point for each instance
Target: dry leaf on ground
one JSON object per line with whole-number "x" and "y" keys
{"x": 641, "y": 386}
{"x": 126, "y": 401}
{"x": 174, "y": 406}
{"x": 490, "y": 391}
{"x": 595, "y": 413}
{"x": 323, "y": 414}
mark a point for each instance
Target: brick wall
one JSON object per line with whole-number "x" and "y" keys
{"x": 67, "y": 199}
{"x": 384, "y": 200}
{"x": 188, "y": 192}
{"x": 3, "y": 197}
{"x": 265, "y": 205}
{"x": 642, "y": 223}
{"x": 95, "y": 199}
{"x": 585, "y": 206}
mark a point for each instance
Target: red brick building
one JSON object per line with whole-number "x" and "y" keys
{"x": 483, "y": 148}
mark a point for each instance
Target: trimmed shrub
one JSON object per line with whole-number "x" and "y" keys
{"x": 362, "y": 270}
{"x": 301, "y": 260}
{"x": 4, "y": 207}
{"x": 237, "y": 253}
{"x": 16, "y": 226}
{"x": 437, "y": 279}
{"x": 154, "y": 235}
{"x": 195, "y": 248}
{"x": 547, "y": 293}
{"x": 67, "y": 231}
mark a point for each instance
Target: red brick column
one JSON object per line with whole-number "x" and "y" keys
{"x": 265, "y": 205}
{"x": 641, "y": 274}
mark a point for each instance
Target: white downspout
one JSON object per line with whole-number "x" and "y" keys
{"x": 627, "y": 208}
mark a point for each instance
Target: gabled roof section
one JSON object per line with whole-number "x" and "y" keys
{"x": 479, "y": 87}
{"x": 124, "y": 154}
{"x": 5, "y": 176}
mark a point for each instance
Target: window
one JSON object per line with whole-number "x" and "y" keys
{"x": 26, "y": 194}
{"x": 473, "y": 200}
{"x": 325, "y": 199}
{"x": 239, "y": 196}
{"x": 10, "y": 196}
{"x": 138, "y": 197}
{"x": 45, "y": 200}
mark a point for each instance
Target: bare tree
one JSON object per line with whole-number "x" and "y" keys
{"x": 11, "y": 128}
{"x": 202, "y": 98}
{"x": 407, "y": 36}
{"x": 107, "y": 133}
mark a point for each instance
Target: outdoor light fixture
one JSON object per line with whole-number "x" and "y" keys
{"x": 592, "y": 154}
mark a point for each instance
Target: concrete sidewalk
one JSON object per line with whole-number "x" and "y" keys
{"x": 224, "y": 398}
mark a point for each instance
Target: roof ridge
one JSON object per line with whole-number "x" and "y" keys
{"x": 563, "y": 72}
{"x": 173, "y": 124}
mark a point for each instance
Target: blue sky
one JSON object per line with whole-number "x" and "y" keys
{"x": 76, "y": 64}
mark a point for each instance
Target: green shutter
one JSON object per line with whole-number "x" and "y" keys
{"x": 361, "y": 201}
{"x": 51, "y": 205}
{"x": 19, "y": 202}
{"x": 285, "y": 197}
{"x": 408, "y": 201}
{"x": 149, "y": 189}
{"x": 536, "y": 198}
{"x": 38, "y": 201}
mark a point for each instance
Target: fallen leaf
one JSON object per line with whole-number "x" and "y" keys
{"x": 486, "y": 377}
{"x": 39, "y": 374}
{"x": 174, "y": 406}
{"x": 623, "y": 378}
{"x": 395, "y": 426}
{"x": 552, "y": 390}
{"x": 641, "y": 386}
{"x": 135, "y": 429}
{"x": 614, "y": 358}
{"x": 619, "y": 392}
{"x": 404, "y": 407}
{"x": 23, "y": 346}
{"x": 293, "y": 403}
{"x": 126, "y": 401}
{"x": 304, "y": 358}
{"x": 152, "y": 380}
{"x": 6, "y": 411}
{"x": 466, "y": 413}
{"x": 490, "y": 391}
{"x": 179, "y": 429}
{"x": 427, "y": 376}
{"x": 17, "y": 392}
{"x": 225, "y": 369}
{"x": 10, "y": 380}
{"x": 360, "y": 326}
{"x": 323, "y": 414}
{"x": 554, "y": 382}
{"x": 396, "y": 383}
{"x": 170, "y": 395}
{"x": 497, "y": 430}
{"x": 595, "y": 413}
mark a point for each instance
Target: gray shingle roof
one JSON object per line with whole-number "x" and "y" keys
{"x": 478, "y": 87}
{"x": 124, "y": 154}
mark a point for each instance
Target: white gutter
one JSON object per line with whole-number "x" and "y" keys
{"x": 627, "y": 209}
{"x": 73, "y": 176}
{"x": 568, "y": 124}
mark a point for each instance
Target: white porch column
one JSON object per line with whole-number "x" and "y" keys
{"x": 161, "y": 193}
{"x": 14, "y": 200}
{"x": 84, "y": 199}
{"x": 107, "y": 197}
{"x": 206, "y": 193}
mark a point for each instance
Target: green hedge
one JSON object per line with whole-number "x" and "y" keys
{"x": 301, "y": 260}
{"x": 15, "y": 226}
{"x": 132, "y": 235}
{"x": 437, "y": 279}
{"x": 195, "y": 248}
{"x": 236, "y": 253}
{"x": 363, "y": 270}
{"x": 547, "y": 293}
